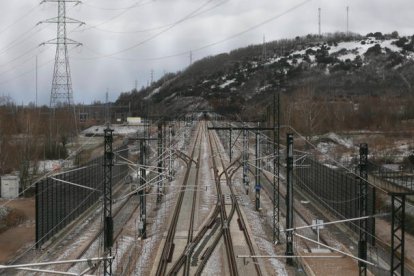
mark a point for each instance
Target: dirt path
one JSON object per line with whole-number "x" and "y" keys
{"x": 21, "y": 236}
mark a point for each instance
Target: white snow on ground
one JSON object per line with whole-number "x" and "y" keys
{"x": 152, "y": 93}
{"x": 324, "y": 147}
{"x": 149, "y": 245}
{"x": 206, "y": 177}
{"x": 350, "y": 56}
{"x": 118, "y": 130}
{"x": 4, "y": 211}
{"x": 45, "y": 166}
{"x": 346, "y": 142}
{"x": 266, "y": 246}
{"x": 120, "y": 248}
{"x": 213, "y": 266}
{"x": 352, "y": 49}
{"x": 227, "y": 83}
{"x": 158, "y": 226}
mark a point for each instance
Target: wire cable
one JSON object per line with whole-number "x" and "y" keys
{"x": 162, "y": 26}
{"x": 196, "y": 49}
{"x": 111, "y": 9}
{"x": 152, "y": 37}
{"x": 136, "y": 5}
{"x": 19, "y": 19}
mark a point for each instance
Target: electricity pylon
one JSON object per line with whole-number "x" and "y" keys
{"x": 61, "y": 93}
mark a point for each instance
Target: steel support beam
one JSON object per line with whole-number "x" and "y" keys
{"x": 142, "y": 198}
{"x": 397, "y": 233}
{"x": 363, "y": 208}
{"x": 257, "y": 172}
{"x": 289, "y": 198}
{"x": 107, "y": 199}
{"x": 246, "y": 160}
{"x": 276, "y": 168}
{"x": 170, "y": 153}
{"x": 160, "y": 163}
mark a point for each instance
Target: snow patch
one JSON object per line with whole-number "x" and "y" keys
{"x": 227, "y": 83}
{"x": 118, "y": 130}
{"x": 152, "y": 93}
{"x": 346, "y": 142}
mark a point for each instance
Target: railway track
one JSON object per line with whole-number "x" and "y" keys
{"x": 217, "y": 226}
{"x": 121, "y": 216}
{"x": 58, "y": 248}
{"x": 169, "y": 246}
{"x": 236, "y": 207}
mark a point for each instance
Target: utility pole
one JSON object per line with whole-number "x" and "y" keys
{"x": 160, "y": 163}
{"x": 143, "y": 181}
{"x": 363, "y": 208}
{"x": 170, "y": 158}
{"x": 62, "y": 92}
{"x": 289, "y": 198}
{"x": 319, "y": 22}
{"x": 107, "y": 112}
{"x": 152, "y": 76}
{"x": 257, "y": 171}
{"x": 264, "y": 54}
{"x": 191, "y": 58}
{"x": 230, "y": 144}
{"x": 347, "y": 21}
{"x": 246, "y": 160}
{"x": 276, "y": 168}
{"x": 398, "y": 203}
{"x": 36, "y": 81}
{"x": 107, "y": 200}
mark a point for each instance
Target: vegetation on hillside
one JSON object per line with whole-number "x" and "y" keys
{"x": 321, "y": 88}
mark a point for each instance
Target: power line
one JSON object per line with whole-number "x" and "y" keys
{"x": 196, "y": 49}
{"x": 155, "y": 35}
{"x": 162, "y": 26}
{"x": 21, "y": 37}
{"x": 111, "y": 9}
{"x": 19, "y": 19}
{"x": 136, "y": 5}
{"x": 31, "y": 70}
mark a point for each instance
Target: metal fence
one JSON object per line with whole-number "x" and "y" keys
{"x": 335, "y": 190}
{"x": 59, "y": 201}
{"x": 400, "y": 178}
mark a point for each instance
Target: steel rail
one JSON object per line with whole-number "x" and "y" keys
{"x": 168, "y": 248}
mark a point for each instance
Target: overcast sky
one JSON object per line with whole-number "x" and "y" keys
{"x": 125, "y": 39}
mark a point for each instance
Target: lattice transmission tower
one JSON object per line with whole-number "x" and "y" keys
{"x": 62, "y": 92}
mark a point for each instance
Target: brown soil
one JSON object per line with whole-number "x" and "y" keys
{"x": 21, "y": 232}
